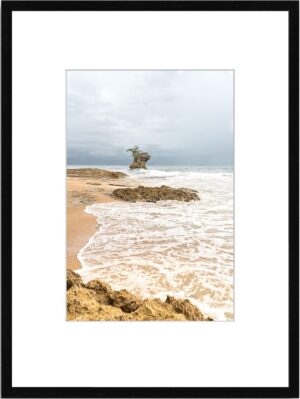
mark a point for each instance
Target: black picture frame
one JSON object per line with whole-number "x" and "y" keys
{"x": 292, "y": 391}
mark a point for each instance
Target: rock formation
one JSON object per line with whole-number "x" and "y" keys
{"x": 91, "y": 173}
{"x": 140, "y": 161}
{"x": 153, "y": 194}
{"x": 97, "y": 301}
{"x": 139, "y": 158}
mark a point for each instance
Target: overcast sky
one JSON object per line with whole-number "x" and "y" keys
{"x": 179, "y": 117}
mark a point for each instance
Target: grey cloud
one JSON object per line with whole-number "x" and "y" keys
{"x": 180, "y": 117}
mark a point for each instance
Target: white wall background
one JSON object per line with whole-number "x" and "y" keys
{"x": 252, "y": 351}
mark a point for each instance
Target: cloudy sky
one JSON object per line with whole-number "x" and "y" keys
{"x": 179, "y": 117}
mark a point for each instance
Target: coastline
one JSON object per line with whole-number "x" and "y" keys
{"x": 95, "y": 186}
{"x": 96, "y": 300}
{"x": 80, "y": 227}
{"x": 86, "y": 188}
{"x": 81, "y": 192}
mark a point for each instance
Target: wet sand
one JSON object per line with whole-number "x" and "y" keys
{"x": 83, "y": 191}
{"x": 80, "y": 227}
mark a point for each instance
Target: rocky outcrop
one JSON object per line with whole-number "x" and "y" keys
{"x": 73, "y": 279}
{"x": 139, "y": 161}
{"x": 91, "y": 173}
{"x": 185, "y": 307}
{"x": 154, "y": 194}
{"x": 96, "y": 300}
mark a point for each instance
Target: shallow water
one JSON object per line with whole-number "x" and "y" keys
{"x": 169, "y": 247}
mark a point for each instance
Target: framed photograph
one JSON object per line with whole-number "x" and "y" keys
{"x": 150, "y": 199}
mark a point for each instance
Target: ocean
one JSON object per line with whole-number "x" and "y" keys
{"x": 172, "y": 248}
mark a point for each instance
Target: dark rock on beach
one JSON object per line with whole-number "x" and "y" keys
{"x": 153, "y": 194}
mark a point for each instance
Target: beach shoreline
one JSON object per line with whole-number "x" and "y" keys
{"x": 96, "y": 300}
{"x": 138, "y": 201}
{"x": 81, "y": 226}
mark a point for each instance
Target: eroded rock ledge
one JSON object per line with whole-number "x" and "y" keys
{"x": 91, "y": 173}
{"x": 97, "y": 301}
{"x": 153, "y": 194}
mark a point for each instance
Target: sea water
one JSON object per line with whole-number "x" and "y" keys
{"x": 183, "y": 249}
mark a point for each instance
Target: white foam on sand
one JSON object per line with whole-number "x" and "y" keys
{"x": 169, "y": 247}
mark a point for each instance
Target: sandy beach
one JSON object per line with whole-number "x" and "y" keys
{"x": 83, "y": 191}
{"x": 164, "y": 233}
{"x": 80, "y": 226}
{"x": 96, "y": 300}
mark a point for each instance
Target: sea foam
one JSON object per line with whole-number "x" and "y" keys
{"x": 169, "y": 247}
